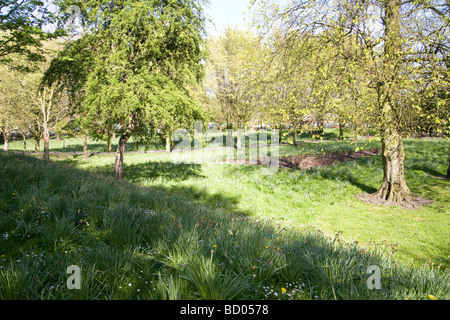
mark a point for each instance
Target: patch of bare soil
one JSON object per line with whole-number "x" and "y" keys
{"x": 414, "y": 203}
{"x": 306, "y": 161}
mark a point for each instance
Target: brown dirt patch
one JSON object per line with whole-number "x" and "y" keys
{"x": 414, "y": 203}
{"x": 306, "y": 161}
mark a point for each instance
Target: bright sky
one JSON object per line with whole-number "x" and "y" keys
{"x": 227, "y": 12}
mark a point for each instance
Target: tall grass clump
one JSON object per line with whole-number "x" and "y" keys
{"x": 134, "y": 242}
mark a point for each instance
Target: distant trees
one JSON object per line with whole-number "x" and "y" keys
{"x": 401, "y": 48}
{"x": 233, "y": 67}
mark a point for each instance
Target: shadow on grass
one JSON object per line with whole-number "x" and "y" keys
{"x": 206, "y": 252}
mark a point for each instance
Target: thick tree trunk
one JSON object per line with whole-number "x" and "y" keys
{"x": 46, "y": 144}
{"x": 118, "y": 164}
{"x": 394, "y": 188}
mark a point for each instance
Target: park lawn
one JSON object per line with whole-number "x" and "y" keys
{"x": 324, "y": 198}
{"x": 184, "y": 231}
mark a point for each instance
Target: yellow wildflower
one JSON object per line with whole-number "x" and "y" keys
{"x": 283, "y": 290}
{"x": 431, "y": 297}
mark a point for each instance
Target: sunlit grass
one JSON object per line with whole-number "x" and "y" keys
{"x": 217, "y": 231}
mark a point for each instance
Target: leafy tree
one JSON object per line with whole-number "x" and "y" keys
{"x": 382, "y": 46}
{"x": 233, "y": 66}
{"x": 143, "y": 57}
{"x": 46, "y": 100}
{"x": 21, "y": 28}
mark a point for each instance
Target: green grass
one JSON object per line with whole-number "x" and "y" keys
{"x": 321, "y": 197}
{"x": 209, "y": 231}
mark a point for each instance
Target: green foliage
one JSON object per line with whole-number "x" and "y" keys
{"x": 21, "y": 28}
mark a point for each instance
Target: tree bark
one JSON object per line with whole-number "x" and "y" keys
{"x": 109, "y": 136}
{"x": 24, "y": 137}
{"x": 37, "y": 138}
{"x": 448, "y": 169}
{"x": 46, "y": 143}
{"x": 118, "y": 164}
{"x": 393, "y": 189}
{"x": 167, "y": 143}
{"x": 230, "y": 139}
{"x": 6, "y": 143}
{"x": 295, "y": 139}
{"x": 85, "y": 146}
{"x": 37, "y": 143}
{"x": 239, "y": 139}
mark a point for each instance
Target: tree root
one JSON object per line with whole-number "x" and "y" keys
{"x": 404, "y": 201}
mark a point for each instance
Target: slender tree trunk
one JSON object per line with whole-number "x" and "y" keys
{"x": 109, "y": 136}
{"x": 239, "y": 138}
{"x": 341, "y": 129}
{"x": 229, "y": 135}
{"x": 280, "y": 131}
{"x": 448, "y": 169}
{"x": 37, "y": 138}
{"x": 6, "y": 143}
{"x": 24, "y": 137}
{"x": 295, "y": 135}
{"x": 120, "y": 153}
{"x": 85, "y": 146}
{"x": 168, "y": 143}
{"x": 393, "y": 189}
{"x": 46, "y": 143}
{"x": 37, "y": 143}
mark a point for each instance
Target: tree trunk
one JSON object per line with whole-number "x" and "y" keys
{"x": 295, "y": 135}
{"x": 85, "y": 146}
{"x": 230, "y": 139}
{"x": 6, "y": 143}
{"x": 109, "y": 141}
{"x": 167, "y": 143}
{"x": 280, "y": 131}
{"x": 448, "y": 169}
{"x": 341, "y": 128}
{"x": 24, "y": 137}
{"x": 46, "y": 143}
{"x": 37, "y": 143}
{"x": 118, "y": 164}
{"x": 393, "y": 189}
{"x": 239, "y": 139}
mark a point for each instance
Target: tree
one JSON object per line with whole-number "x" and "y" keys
{"x": 233, "y": 64}
{"x": 21, "y": 28}
{"x": 9, "y": 109}
{"x": 382, "y": 46}
{"x": 143, "y": 56}
{"x": 46, "y": 99}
